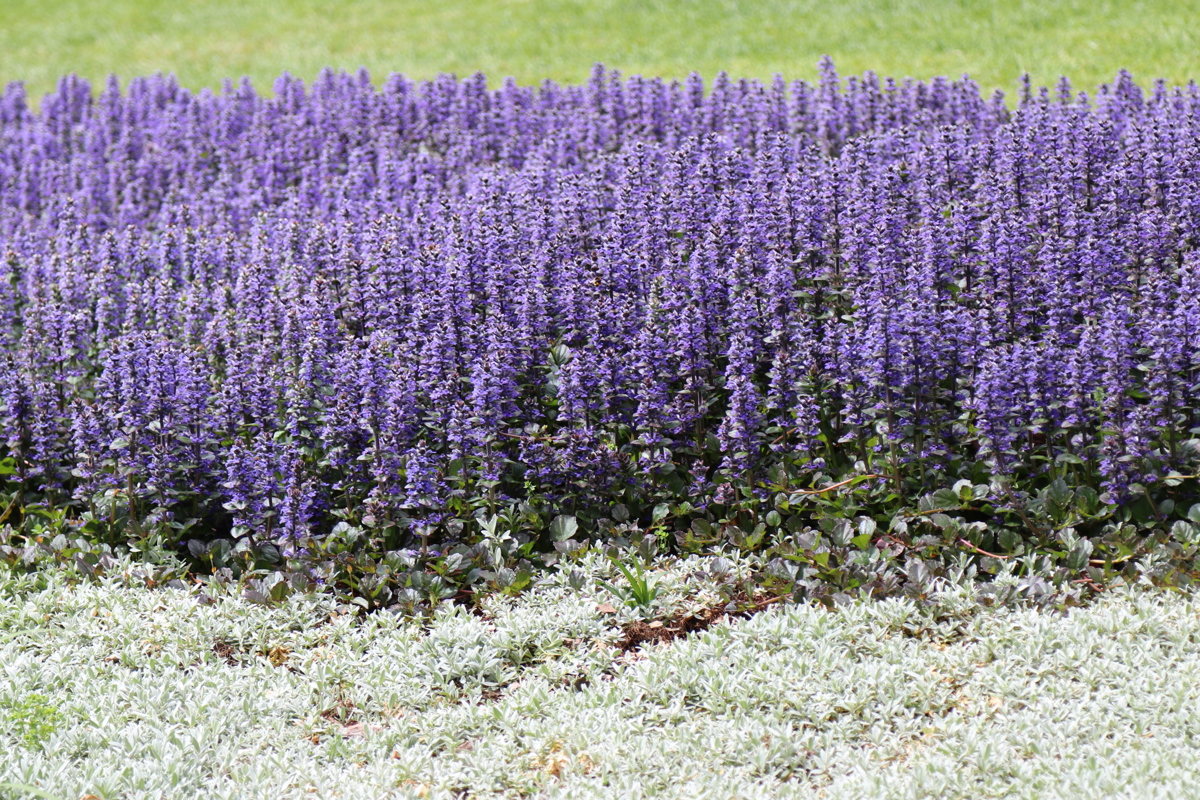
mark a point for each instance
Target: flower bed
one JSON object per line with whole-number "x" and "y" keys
{"x": 411, "y": 338}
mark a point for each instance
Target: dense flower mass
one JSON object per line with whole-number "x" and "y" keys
{"x": 407, "y": 306}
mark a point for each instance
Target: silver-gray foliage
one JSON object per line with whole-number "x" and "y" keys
{"x": 154, "y": 695}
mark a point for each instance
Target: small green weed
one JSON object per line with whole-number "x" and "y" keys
{"x": 643, "y": 590}
{"x": 35, "y": 719}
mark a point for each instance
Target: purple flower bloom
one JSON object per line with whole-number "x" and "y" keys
{"x": 361, "y": 304}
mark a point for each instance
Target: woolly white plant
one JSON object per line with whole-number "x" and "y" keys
{"x": 125, "y": 692}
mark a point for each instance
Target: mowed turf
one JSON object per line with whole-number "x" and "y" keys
{"x": 206, "y": 41}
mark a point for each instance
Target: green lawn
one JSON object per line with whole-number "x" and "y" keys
{"x": 204, "y": 41}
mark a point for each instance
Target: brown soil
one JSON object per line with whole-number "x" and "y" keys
{"x": 640, "y": 632}
{"x": 225, "y": 650}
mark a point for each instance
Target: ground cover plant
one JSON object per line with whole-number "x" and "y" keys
{"x": 112, "y": 690}
{"x": 413, "y": 341}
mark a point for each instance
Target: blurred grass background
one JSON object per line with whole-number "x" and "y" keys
{"x": 205, "y": 41}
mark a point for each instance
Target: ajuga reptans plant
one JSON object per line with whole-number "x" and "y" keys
{"x": 425, "y": 320}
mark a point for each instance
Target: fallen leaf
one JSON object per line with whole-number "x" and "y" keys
{"x": 358, "y": 729}
{"x": 278, "y": 656}
{"x": 605, "y": 608}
